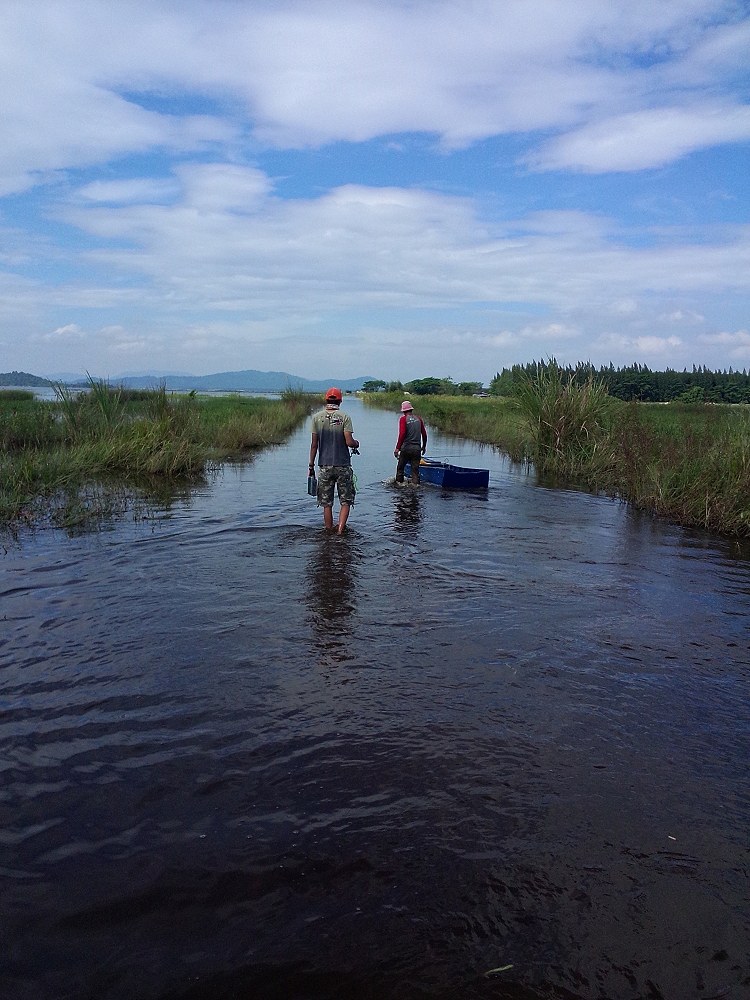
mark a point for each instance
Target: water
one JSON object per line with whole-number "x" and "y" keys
{"x": 49, "y": 394}
{"x": 243, "y": 758}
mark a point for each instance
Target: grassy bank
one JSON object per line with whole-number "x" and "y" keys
{"x": 688, "y": 463}
{"x": 78, "y": 456}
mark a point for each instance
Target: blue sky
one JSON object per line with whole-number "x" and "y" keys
{"x": 394, "y": 189}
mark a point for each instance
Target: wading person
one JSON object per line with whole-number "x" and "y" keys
{"x": 411, "y": 444}
{"x": 331, "y": 440}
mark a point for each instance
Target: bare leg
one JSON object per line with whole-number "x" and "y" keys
{"x": 343, "y": 517}
{"x": 328, "y": 517}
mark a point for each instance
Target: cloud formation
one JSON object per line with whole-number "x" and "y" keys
{"x": 642, "y": 139}
{"x": 307, "y": 74}
{"x": 266, "y": 176}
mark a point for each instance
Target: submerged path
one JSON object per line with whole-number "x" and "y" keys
{"x": 480, "y": 731}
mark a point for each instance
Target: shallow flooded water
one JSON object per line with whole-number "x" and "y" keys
{"x": 479, "y": 732}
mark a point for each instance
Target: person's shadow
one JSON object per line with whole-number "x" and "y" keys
{"x": 331, "y": 596}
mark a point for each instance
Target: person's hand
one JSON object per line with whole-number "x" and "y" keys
{"x": 395, "y": 452}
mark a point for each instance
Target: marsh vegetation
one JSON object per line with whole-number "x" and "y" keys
{"x": 686, "y": 462}
{"x": 83, "y": 454}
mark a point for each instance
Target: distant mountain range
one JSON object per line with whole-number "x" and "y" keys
{"x": 248, "y": 380}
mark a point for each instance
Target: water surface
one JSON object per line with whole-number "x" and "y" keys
{"x": 244, "y": 758}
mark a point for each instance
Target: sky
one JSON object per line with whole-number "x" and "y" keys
{"x": 393, "y": 189}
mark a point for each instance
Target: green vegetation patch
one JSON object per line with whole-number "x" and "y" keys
{"x": 86, "y": 451}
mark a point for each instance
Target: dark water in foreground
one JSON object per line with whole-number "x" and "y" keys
{"x": 241, "y": 758}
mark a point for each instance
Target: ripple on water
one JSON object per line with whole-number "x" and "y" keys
{"x": 243, "y": 758}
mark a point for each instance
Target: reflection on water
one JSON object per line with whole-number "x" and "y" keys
{"x": 407, "y": 509}
{"x": 331, "y": 595}
{"x": 242, "y": 757}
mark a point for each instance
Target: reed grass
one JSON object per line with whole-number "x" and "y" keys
{"x": 71, "y": 454}
{"x": 690, "y": 464}
{"x": 15, "y": 396}
{"x": 569, "y": 421}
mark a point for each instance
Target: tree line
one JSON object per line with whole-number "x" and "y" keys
{"x": 425, "y": 387}
{"x": 632, "y": 382}
{"x": 639, "y": 382}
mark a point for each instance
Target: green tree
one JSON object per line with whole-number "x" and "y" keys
{"x": 469, "y": 388}
{"x": 426, "y": 386}
{"x": 502, "y": 383}
{"x": 692, "y": 395}
{"x": 373, "y": 385}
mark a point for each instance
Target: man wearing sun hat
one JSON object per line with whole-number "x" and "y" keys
{"x": 411, "y": 444}
{"x": 331, "y": 440}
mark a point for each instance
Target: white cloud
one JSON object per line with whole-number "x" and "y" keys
{"x": 302, "y": 74}
{"x": 733, "y": 345}
{"x": 656, "y": 345}
{"x": 549, "y": 331}
{"x": 659, "y": 348}
{"x": 229, "y": 244}
{"x": 684, "y": 316}
{"x": 625, "y": 307}
{"x": 275, "y": 276}
{"x": 223, "y": 187}
{"x": 137, "y": 190}
{"x": 739, "y": 338}
{"x": 647, "y": 138}
{"x": 71, "y": 331}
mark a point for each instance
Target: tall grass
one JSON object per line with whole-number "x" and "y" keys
{"x": 568, "y": 420}
{"x": 57, "y": 454}
{"x": 96, "y": 412}
{"x": 688, "y": 463}
{"x": 16, "y": 396}
{"x": 233, "y": 425}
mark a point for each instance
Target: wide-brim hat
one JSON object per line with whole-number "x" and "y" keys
{"x": 406, "y": 405}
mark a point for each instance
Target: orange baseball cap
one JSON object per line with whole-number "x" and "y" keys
{"x": 334, "y": 394}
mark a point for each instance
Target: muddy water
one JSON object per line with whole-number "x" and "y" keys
{"x": 241, "y": 758}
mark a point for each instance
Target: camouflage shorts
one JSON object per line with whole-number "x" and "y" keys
{"x": 341, "y": 476}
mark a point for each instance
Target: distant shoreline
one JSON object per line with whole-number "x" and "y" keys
{"x": 249, "y": 380}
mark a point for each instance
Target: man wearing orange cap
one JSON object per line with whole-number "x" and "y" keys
{"x": 331, "y": 440}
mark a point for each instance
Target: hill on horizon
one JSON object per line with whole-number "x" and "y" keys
{"x": 21, "y": 379}
{"x": 247, "y": 380}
